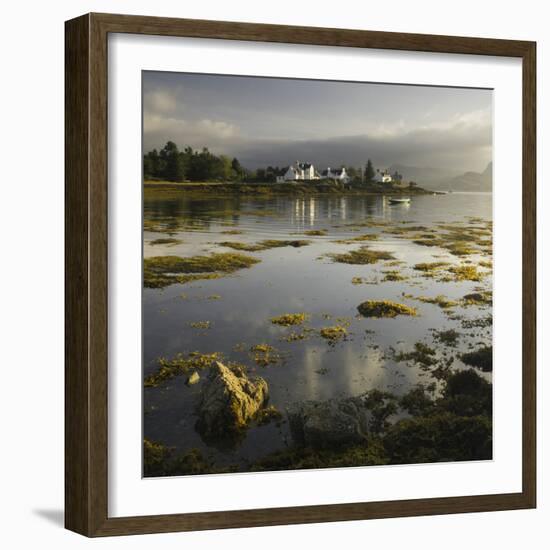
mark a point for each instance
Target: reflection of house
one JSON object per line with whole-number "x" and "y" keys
{"x": 335, "y": 174}
{"x": 299, "y": 171}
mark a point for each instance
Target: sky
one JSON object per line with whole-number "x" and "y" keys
{"x": 276, "y": 121}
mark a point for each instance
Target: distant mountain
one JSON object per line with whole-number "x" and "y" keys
{"x": 425, "y": 176}
{"x": 439, "y": 179}
{"x": 474, "y": 181}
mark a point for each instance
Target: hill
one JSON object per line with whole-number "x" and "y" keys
{"x": 439, "y": 179}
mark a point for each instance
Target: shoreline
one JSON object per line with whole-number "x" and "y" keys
{"x": 280, "y": 189}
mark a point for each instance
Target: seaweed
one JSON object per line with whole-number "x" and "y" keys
{"x": 362, "y": 256}
{"x": 167, "y": 240}
{"x": 447, "y": 337}
{"x": 422, "y": 354}
{"x": 466, "y": 273}
{"x": 442, "y": 301}
{"x": 264, "y": 355}
{"x": 180, "y": 364}
{"x": 384, "y": 308}
{"x": 315, "y": 232}
{"x": 264, "y": 245}
{"x": 334, "y": 334}
{"x": 161, "y": 271}
{"x": 393, "y": 275}
{"x": 480, "y": 359}
{"x": 269, "y": 414}
{"x": 200, "y": 324}
{"x": 359, "y": 238}
{"x": 290, "y": 319}
{"x": 478, "y": 298}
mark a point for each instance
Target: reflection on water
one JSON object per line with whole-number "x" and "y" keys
{"x": 296, "y": 280}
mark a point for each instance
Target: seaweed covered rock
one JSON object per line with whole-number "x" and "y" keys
{"x": 440, "y": 437}
{"x": 229, "y": 400}
{"x": 329, "y": 423}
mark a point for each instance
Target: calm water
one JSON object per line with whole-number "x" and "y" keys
{"x": 296, "y": 280}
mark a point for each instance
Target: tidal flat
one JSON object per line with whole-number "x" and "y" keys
{"x": 324, "y": 306}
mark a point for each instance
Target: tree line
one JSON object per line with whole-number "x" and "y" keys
{"x": 171, "y": 164}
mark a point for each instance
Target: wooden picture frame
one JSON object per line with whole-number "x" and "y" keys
{"x": 86, "y": 283}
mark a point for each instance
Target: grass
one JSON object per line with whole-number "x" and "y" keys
{"x": 267, "y": 189}
{"x": 161, "y": 271}
{"x": 384, "y": 308}
{"x": 363, "y": 256}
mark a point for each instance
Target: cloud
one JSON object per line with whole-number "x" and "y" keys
{"x": 459, "y": 141}
{"x": 458, "y": 145}
{"x": 161, "y": 101}
{"x": 164, "y": 119}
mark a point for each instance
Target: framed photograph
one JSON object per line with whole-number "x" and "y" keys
{"x": 300, "y": 275}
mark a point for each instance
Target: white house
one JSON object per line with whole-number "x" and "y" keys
{"x": 299, "y": 171}
{"x": 335, "y": 174}
{"x": 304, "y": 171}
{"x": 384, "y": 176}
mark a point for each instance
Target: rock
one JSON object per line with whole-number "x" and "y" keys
{"x": 229, "y": 400}
{"x": 193, "y": 378}
{"x": 329, "y": 423}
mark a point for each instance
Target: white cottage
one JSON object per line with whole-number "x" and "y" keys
{"x": 383, "y": 176}
{"x": 299, "y": 171}
{"x": 335, "y": 174}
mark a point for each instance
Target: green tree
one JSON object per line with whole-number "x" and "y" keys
{"x": 173, "y": 163}
{"x": 369, "y": 171}
{"x": 151, "y": 164}
{"x": 352, "y": 172}
{"x": 237, "y": 169}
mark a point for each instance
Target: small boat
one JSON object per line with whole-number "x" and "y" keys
{"x": 399, "y": 201}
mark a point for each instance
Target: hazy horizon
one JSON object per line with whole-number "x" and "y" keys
{"x": 274, "y": 121}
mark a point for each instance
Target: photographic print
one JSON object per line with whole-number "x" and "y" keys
{"x": 317, "y": 274}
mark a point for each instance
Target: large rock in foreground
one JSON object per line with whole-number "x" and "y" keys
{"x": 329, "y": 423}
{"x": 229, "y": 400}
